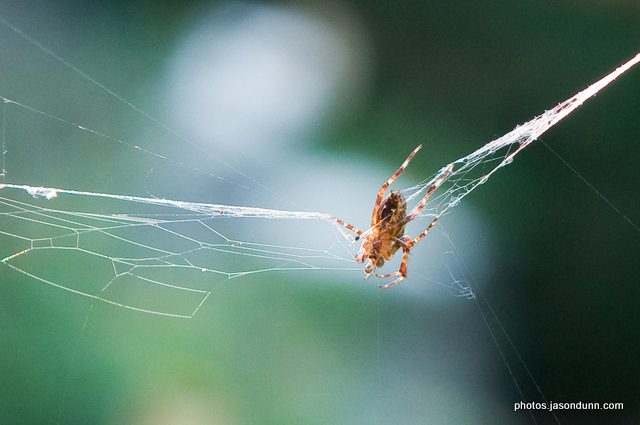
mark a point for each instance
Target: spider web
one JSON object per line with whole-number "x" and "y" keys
{"x": 475, "y": 169}
{"x": 175, "y": 246}
{"x": 117, "y": 248}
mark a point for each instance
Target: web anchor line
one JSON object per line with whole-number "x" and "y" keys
{"x": 523, "y": 135}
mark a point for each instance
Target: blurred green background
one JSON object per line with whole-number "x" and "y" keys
{"x": 291, "y": 348}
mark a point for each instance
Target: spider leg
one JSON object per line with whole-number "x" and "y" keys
{"x": 395, "y": 282}
{"x": 420, "y": 207}
{"x": 402, "y": 272}
{"x": 408, "y": 243}
{"x": 423, "y": 234}
{"x": 348, "y": 226}
{"x": 383, "y": 189}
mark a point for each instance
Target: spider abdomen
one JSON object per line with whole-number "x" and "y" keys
{"x": 391, "y": 222}
{"x": 393, "y": 209}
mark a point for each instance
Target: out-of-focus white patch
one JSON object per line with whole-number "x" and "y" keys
{"x": 252, "y": 77}
{"x": 249, "y": 81}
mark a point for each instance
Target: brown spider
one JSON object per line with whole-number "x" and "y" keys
{"x": 386, "y": 234}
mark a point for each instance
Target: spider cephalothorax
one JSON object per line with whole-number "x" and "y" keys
{"x": 389, "y": 218}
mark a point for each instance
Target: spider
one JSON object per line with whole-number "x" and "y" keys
{"x": 386, "y": 234}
